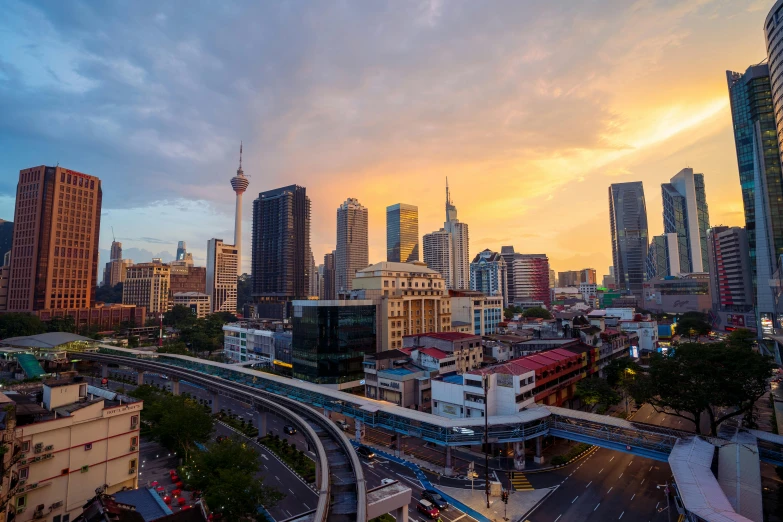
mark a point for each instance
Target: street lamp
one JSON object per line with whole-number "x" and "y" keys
{"x": 666, "y": 491}
{"x": 486, "y": 436}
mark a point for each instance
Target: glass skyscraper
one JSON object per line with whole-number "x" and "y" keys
{"x": 685, "y": 214}
{"x": 402, "y": 233}
{"x": 628, "y": 222}
{"x": 330, "y": 340}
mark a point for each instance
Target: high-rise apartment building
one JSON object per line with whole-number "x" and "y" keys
{"x": 402, "y": 233}
{"x": 527, "y": 276}
{"x": 221, "y": 277}
{"x": 314, "y": 278}
{"x": 685, "y": 213}
{"x": 628, "y": 224}
{"x": 438, "y": 254}
{"x": 663, "y": 256}
{"x": 6, "y": 237}
{"x": 114, "y": 272}
{"x": 568, "y": 278}
{"x": 147, "y": 285}
{"x": 353, "y": 251}
{"x": 281, "y": 251}
{"x": 329, "y": 283}
{"x": 187, "y": 278}
{"x": 488, "y": 274}
{"x": 460, "y": 246}
{"x": 552, "y": 279}
{"x": 54, "y": 254}
{"x": 731, "y": 285}
{"x": 774, "y": 36}
{"x": 587, "y": 275}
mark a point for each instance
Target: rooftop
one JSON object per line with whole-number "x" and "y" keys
{"x": 396, "y": 371}
{"x": 512, "y": 367}
{"x": 452, "y": 379}
{"x": 446, "y": 336}
{"x": 190, "y": 294}
{"x": 45, "y": 340}
{"x": 388, "y": 266}
{"x": 390, "y": 354}
{"x": 435, "y": 353}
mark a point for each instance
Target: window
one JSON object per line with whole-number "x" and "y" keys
{"x": 57, "y": 518}
{"x": 134, "y": 442}
{"x": 24, "y": 473}
{"x": 26, "y": 446}
{"x": 132, "y": 466}
{"x": 21, "y": 501}
{"x": 134, "y": 422}
{"x": 88, "y": 447}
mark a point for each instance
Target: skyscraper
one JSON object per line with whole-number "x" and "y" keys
{"x": 628, "y": 224}
{"x": 527, "y": 276}
{"x": 730, "y": 280}
{"x": 239, "y": 183}
{"x": 181, "y": 250}
{"x": 221, "y": 279}
{"x": 329, "y": 283}
{"x": 148, "y": 285}
{"x": 685, "y": 214}
{"x": 281, "y": 246}
{"x": 54, "y": 255}
{"x": 114, "y": 272}
{"x": 663, "y": 256}
{"x": 773, "y": 37}
{"x": 438, "y": 254}
{"x": 6, "y": 237}
{"x": 402, "y": 233}
{"x": 488, "y": 275}
{"x": 352, "y": 253}
{"x": 460, "y": 246}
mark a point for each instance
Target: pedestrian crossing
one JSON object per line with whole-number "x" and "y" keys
{"x": 520, "y": 482}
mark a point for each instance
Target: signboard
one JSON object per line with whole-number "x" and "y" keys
{"x": 736, "y": 320}
{"x": 506, "y": 380}
{"x": 448, "y": 409}
{"x": 393, "y": 385}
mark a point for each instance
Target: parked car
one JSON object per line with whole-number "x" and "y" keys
{"x": 289, "y": 430}
{"x": 426, "y": 508}
{"x": 387, "y": 481}
{"x": 342, "y": 424}
{"x": 435, "y": 498}
{"x": 366, "y": 452}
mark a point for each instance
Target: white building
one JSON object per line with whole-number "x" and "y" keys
{"x": 199, "y": 304}
{"x": 221, "y": 285}
{"x": 647, "y": 332}
{"x": 482, "y": 312}
{"x": 438, "y": 254}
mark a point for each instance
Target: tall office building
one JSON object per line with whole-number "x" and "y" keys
{"x": 281, "y": 249}
{"x": 239, "y": 184}
{"x": 402, "y": 233}
{"x": 329, "y": 283}
{"x": 552, "y": 279}
{"x": 314, "y": 279}
{"x": 587, "y": 275}
{"x": 731, "y": 285}
{"x": 568, "y": 278}
{"x": 663, "y": 256}
{"x": 460, "y": 246}
{"x": 6, "y": 237}
{"x": 54, "y": 253}
{"x": 438, "y": 253}
{"x": 527, "y": 276}
{"x": 773, "y": 36}
{"x": 488, "y": 274}
{"x": 147, "y": 285}
{"x": 757, "y": 124}
{"x": 181, "y": 250}
{"x": 221, "y": 277}
{"x": 353, "y": 252}
{"x": 628, "y": 224}
{"x": 685, "y": 214}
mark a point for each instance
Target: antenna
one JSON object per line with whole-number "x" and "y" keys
{"x": 112, "y": 234}
{"x": 240, "y": 155}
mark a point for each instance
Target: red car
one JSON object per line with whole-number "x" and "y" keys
{"x": 426, "y": 508}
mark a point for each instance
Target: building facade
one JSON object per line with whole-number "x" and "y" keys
{"x": 678, "y": 295}
{"x": 488, "y": 275}
{"x": 331, "y": 339}
{"x": 402, "y": 233}
{"x": 438, "y": 254}
{"x": 103, "y": 316}
{"x": 410, "y": 297}
{"x": 731, "y": 280}
{"x": 6, "y": 236}
{"x": 460, "y": 246}
{"x": 147, "y": 285}
{"x": 527, "y": 276}
{"x": 221, "y": 276}
{"x": 329, "y": 283}
{"x": 281, "y": 251}
{"x": 685, "y": 213}
{"x": 200, "y": 304}
{"x": 483, "y": 313}
{"x": 465, "y": 348}
{"x": 187, "y": 278}
{"x": 663, "y": 256}
{"x": 628, "y": 225}
{"x": 353, "y": 251}
{"x": 54, "y": 253}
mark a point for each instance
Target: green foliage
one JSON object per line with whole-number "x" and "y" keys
{"x": 574, "y": 452}
{"x": 741, "y": 337}
{"x": 133, "y": 341}
{"x": 537, "y": 312}
{"x": 291, "y": 456}
{"x": 511, "y": 311}
{"x": 206, "y": 335}
{"x": 228, "y": 474}
{"x": 594, "y": 391}
{"x": 693, "y": 325}
{"x": 179, "y": 317}
{"x": 109, "y": 294}
{"x": 18, "y": 324}
{"x": 61, "y": 324}
{"x": 244, "y": 290}
{"x": 618, "y": 371}
{"x": 177, "y": 348}
{"x": 722, "y": 379}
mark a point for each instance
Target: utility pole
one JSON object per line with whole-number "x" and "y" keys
{"x": 160, "y": 335}
{"x": 486, "y": 436}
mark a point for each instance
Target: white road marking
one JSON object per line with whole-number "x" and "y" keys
{"x": 621, "y": 515}
{"x": 621, "y": 476}
{"x": 558, "y": 517}
{"x": 278, "y": 479}
{"x": 600, "y": 471}
{"x": 630, "y": 462}
{"x": 459, "y": 517}
{"x": 656, "y": 505}
{"x": 650, "y": 469}
{"x": 292, "y": 491}
{"x": 633, "y": 496}
{"x": 610, "y": 489}
{"x": 588, "y": 484}
{"x": 610, "y": 460}
{"x": 642, "y": 481}
{"x": 576, "y": 497}
{"x": 306, "y": 506}
{"x": 265, "y": 466}
{"x": 596, "y": 507}
{"x": 264, "y": 457}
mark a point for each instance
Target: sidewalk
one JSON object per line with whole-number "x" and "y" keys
{"x": 519, "y": 502}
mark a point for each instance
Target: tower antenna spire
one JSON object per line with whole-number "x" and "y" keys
{"x": 112, "y": 234}
{"x": 240, "y": 157}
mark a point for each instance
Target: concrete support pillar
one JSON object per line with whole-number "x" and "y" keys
{"x": 519, "y": 455}
{"x": 538, "y": 459}
{"x": 104, "y": 371}
{"x": 327, "y": 413}
{"x": 359, "y": 433}
{"x": 259, "y": 419}
{"x": 400, "y": 514}
{"x": 448, "y": 470}
{"x": 215, "y": 403}
{"x": 139, "y": 378}
{"x": 174, "y": 386}
{"x": 398, "y": 445}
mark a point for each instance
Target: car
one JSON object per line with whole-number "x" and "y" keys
{"x": 435, "y": 498}
{"x": 366, "y": 452}
{"x": 289, "y": 430}
{"x": 387, "y": 481}
{"x": 426, "y": 508}
{"x": 342, "y": 425}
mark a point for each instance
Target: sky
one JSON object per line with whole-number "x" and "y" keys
{"x": 531, "y": 109}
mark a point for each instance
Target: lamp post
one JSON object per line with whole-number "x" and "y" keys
{"x": 486, "y": 436}
{"x": 160, "y": 334}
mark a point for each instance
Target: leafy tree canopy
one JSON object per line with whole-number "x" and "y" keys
{"x": 723, "y": 380}
{"x": 179, "y": 316}
{"x": 693, "y": 325}
{"x": 537, "y": 312}
{"x": 15, "y": 325}
{"x": 619, "y": 370}
{"x": 594, "y": 391}
{"x": 109, "y": 294}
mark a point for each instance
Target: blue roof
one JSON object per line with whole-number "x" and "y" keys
{"x": 147, "y": 502}
{"x": 396, "y": 371}
{"x": 453, "y": 379}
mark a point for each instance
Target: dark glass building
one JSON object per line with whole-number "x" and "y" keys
{"x": 685, "y": 213}
{"x": 330, "y": 340}
{"x": 281, "y": 255}
{"x": 6, "y": 236}
{"x": 402, "y": 233}
{"x": 628, "y": 222}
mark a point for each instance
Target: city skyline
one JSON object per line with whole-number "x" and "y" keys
{"x": 588, "y": 127}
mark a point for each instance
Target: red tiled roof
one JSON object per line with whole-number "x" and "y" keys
{"x": 511, "y": 367}
{"x": 435, "y": 353}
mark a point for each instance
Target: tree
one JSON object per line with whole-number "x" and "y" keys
{"x": 537, "y": 312}
{"x": 693, "y": 324}
{"x": 228, "y": 474}
{"x": 741, "y": 337}
{"x": 618, "y": 369}
{"x": 177, "y": 348}
{"x": 18, "y": 324}
{"x": 722, "y": 380}
{"x": 595, "y": 390}
{"x": 244, "y": 290}
{"x": 179, "y": 316}
{"x": 64, "y": 323}
{"x": 109, "y": 294}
